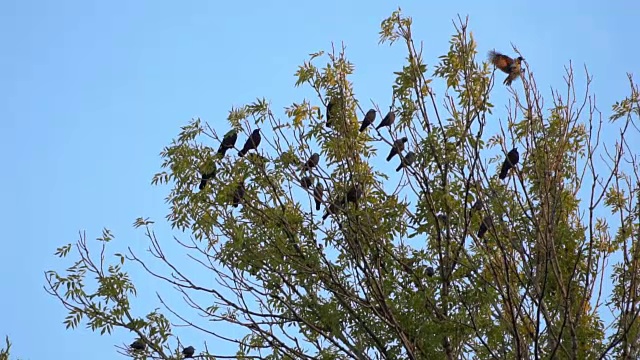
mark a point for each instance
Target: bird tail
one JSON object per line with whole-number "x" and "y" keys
{"x": 390, "y": 156}
{"x": 203, "y": 183}
{"x": 317, "y": 205}
{"x": 399, "y": 167}
{"x": 222, "y": 151}
{"x": 363, "y": 127}
{"x": 503, "y": 172}
{"x": 242, "y": 152}
{"x": 378, "y": 127}
{"x": 325, "y": 216}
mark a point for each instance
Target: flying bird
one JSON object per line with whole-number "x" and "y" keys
{"x": 238, "y": 194}
{"x": 512, "y": 159}
{"x": 330, "y": 107}
{"x": 252, "y": 142}
{"x": 312, "y": 162}
{"x": 398, "y": 147}
{"x": 484, "y": 226}
{"x": 306, "y": 182}
{"x": 369, "y": 118}
{"x": 388, "y": 120}
{"x": 407, "y": 160}
{"x": 318, "y": 190}
{"x": 138, "y": 344}
{"x": 188, "y": 352}
{"x": 228, "y": 142}
{"x": 507, "y": 65}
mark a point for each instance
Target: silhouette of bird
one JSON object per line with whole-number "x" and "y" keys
{"x": 306, "y": 182}
{"x": 138, "y": 344}
{"x": 331, "y": 209}
{"x": 512, "y": 159}
{"x": 507, "y": 65}
{"x": 238, "y": 194}
{"x": 484, "y": 226}
{"x": 398, "y": 147}
{"x": 205, "y": 178}
{"x": 330, "y": 107}
{"x": 369, "y": 118}
{"x": 252, "y": 142}
{"x": 312, "y": 162}
{"x": 228, "y": 142}
{"x": 354, "y": 194}
{"x": 407, "y": 160}
{"x": 388, "y": 120}
{"x": 477, "y": 206}
{"x": 188, "y": 352}
{"x": 317, "y": 194}
{"x": 430, "y": 271}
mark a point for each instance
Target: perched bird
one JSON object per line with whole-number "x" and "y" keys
{"x": 228, "y": 142}
{"x": 388, "y": 120}
{"x": 252, "y": 142}
{"x": 330, "y": 107}
{"x": 443, "y": 218}
{"x": 430, "y": 271}
{"x": 512, "y": 159}
{"x": 138, "y": 344}
{"x": 354, "y": 194}
{"x": 477, "y": 206}
{"x": 317, "y": 194}
{"x": 331, "y": 209}
{"x": 507, "y": 65}
{"x": 306, "y": 182}
{"x": 398, "y": 147}
{"x": 188, "y": 352}
{"x": 484, "y": 226}
{"x": 312, "y": 162}
{"x": 238, "y": 194}
{"x": 407, "y": 160}
{"x": 205, "y": 178}
{"x": 369, "y": 118}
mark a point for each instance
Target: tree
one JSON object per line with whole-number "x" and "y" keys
{"x": 397, "y": 270}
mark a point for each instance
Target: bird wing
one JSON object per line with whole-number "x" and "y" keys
{"x": 501, "y": 61}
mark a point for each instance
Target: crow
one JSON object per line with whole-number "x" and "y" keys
{"x": 188, "y": 352}
{"x": 252, "y": 142}
{"x": 312, "y": 162}
{"x": 512, "y": 159}
{"x": 228, "y": 142}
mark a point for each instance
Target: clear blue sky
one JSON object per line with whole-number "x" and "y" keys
{"x": 90, "y": 92}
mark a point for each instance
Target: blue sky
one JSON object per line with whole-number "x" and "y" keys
{"x": 91, "y": 91}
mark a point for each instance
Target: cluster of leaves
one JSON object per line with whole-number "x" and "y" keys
{"x": 361, "y": 284}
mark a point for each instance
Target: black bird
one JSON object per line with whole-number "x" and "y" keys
{"x": 331, "y": 209}
{"x": 330, "y": 107}
{"x": 484, "y": 226}
{"x": 477, "y": 206}
{"x": 306, "y": 182}
{"x": 252, "y": 142}
{"x": 388, "y": 120}
{"x": 398, "y": 147}
{"x": 317, "y": 194}
{"x": 238, "y": 194}
{"x": 369, "y": 118}
{"x": 208, "y": 172}
{"x": 312, "y": 162}
{"x": 354, "y": 194}
{"x": 228, "y": 142}
{"x": 188, "y": 352}
{"x": 507, "y": 65}
{"x": 443, "y": 218}
{"x": 407, "y": 160}
{"x": 512, "y": 158}
{"x": 430, "y": 271}
{"x": 138, "y": 345}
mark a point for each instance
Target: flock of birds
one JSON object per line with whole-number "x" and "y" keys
{"x": 512, "y": 67}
